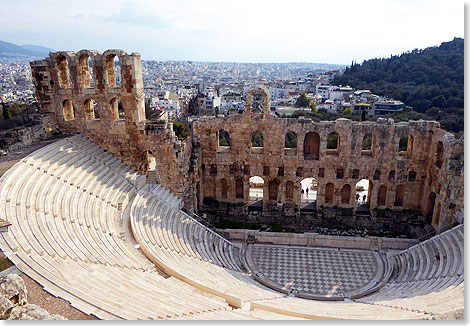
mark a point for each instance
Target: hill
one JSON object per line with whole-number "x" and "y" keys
{"x": 8, "y": 49}
{"x": 431, "y": 81}
{"x": 38, "y": 49}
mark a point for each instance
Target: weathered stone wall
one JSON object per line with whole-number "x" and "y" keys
{"x": 318, "y": 240}
{"x": 60, "y": 83}
{"x": 198, "y": 167}
{"x": 175, "y": 168}
{"x": 414, "y": 169}
{"x": 64, "y": 91}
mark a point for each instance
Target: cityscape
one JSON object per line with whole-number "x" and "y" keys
{"x": 221, "y": 87}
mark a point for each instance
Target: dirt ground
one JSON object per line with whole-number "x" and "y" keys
{"x": 36, "y": 294}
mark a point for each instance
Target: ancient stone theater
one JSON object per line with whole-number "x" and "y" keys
{"x": 108, "y": 216}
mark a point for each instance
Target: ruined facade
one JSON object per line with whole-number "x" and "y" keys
{"x": 426, "y": 177}
{"x": 84, "y": 93}
{"x": 102, "y": 97}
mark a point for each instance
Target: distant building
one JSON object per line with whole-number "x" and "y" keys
{"x": 340, "y": 93}
{"x": 359, "y": 107}
{"x": 387, "y": 107}
{"x": 328, "y": 105}
{"x": 323, "y": 91}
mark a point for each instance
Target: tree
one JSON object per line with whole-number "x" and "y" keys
{"x": 422, "y": 79}
{"x": 193, "y": 108}
{"x": 347, "y": 111}
{"x": 313, "y": 108}
{"x": 302, "y": 101}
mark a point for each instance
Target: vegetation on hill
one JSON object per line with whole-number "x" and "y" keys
{"x": 431, "y": 81}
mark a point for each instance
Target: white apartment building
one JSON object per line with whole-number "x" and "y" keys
{"x": 323, "y": 91}
{"x": 276, "y": 92}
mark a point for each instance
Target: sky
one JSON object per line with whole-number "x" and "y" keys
{"x": 326, "y": 31}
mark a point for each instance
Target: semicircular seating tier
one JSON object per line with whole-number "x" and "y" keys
{"x": 70, "y": 204}
{"x": 189, "y": 251}
{"x": 426, "y": 277}
{"x": 66, "y": 203}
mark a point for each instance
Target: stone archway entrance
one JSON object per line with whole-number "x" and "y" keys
{"x": 308, "y": 193}
{"x": 256, "y": 189}
{"x": 362, "y": 197}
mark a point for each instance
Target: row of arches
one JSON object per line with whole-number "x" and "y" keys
{"x": 311, "y": 148}
{"x": 91, "y": 110}
{"x": 256, "y": 192}
{"x": 112, "y": 71}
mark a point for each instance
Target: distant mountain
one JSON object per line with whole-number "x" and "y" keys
{"x": 38, "y": 49}
{"x": 8, "y": 49}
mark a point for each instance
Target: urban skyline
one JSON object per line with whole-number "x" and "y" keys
{"x": 335, "y": 32}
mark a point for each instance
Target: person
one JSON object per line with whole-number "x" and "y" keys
{"x": 357, "y": 198}
{"x": 364, "y": 198}
{"x": 302, "y": 191}
{"x": 306, "y": 190}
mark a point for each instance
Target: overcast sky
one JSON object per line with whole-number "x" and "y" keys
{"x": 327, "y": 31}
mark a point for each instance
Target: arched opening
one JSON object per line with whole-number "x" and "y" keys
{"x": 85, "y": 71}
{"x": 345, "y": 194}
{"x": 332, "y": 143}
{"x": 367, "y": 144}
{"x": 309, "y": 190}
{"x": 329, "y": 192}
{"x": 363, "y": 191}
{"x": 224, "y": 138}
{"x": 63, "y": 70}
{"x": 117, "y": 110}
{"x": 91, "y": 111}
{"x": 391, "y": 175}
{"x": 256, "y": 139}
{"x": 258, "y": 101}
{"x": 152, "y": 168}
{"x": 223, "y": 188}
{"x": 151, "y": 161}
{"x": 289, "y": 190}
{"x": 399, "y": 195}
{"x": 113, "y": 71}
{"x": 430, "y": 208}
{"x": 68, "y": 110}
{"x": 312, "y": 146}
{"x": 382, "y": 195}
{"x": 291, "y": 140}
{"x": 239, "y": 189}
{"x": 273, "y": 188}
{"x": 256, "y": 188}
{"x": 439, "y": 153}
{"x": 376, "y": 175}
{"x": 403, "y": 143}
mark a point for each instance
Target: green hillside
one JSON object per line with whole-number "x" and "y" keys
{"x": 431, "y": 81}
